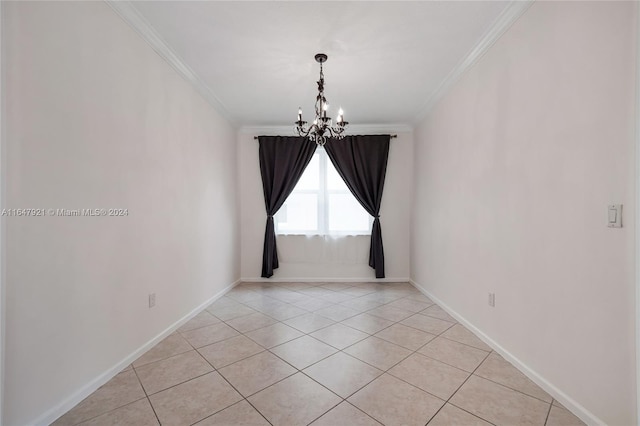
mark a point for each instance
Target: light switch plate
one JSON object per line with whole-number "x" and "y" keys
{"x": 614, "y": 216}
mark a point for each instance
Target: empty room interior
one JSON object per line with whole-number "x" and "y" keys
{"x": 319, "y": 213}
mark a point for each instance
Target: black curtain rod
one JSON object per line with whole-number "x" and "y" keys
{"x": 391, "y": 136}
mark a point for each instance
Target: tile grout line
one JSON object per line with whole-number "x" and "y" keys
{"x": 145, "y": 391}
{"x": 146, "y": 394}
{"x": 458, "y": 389}
{"x": 383, "y": 371}
{"x": 193, "y": 348}
{"x": 163, "y": 359}
{"x": 412, "y": 353}
{"x": 246, "y": 398}
{"x": 462, "y": 384}
{"x": 340, "y": 350}
{"x": 311, "y": 378}
{"x": 120, "y": 406}
{"x": 546, "y": 419}
{"x": 342, "y": 399}
{"x": 410, "y": 384}
{"x": 403, "y": 359}
{"x": 237, "y": 391}
{"x": 367, "y": 414}
{"x": 515, "y": 390}
{"x": 106, "y": 412}
{"x": 271, "y": 296}
{"x": 342, "y": 304}
{"x": 446, "y": 363}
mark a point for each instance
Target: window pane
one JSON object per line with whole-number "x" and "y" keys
{"x": 334, "y": 181}
{"x": 310, "y": 179}
{"x": 299, "y": 213}
{"x": 346, "y": 214}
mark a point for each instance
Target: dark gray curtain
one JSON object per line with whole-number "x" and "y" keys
{"x": 362, "y": 163}
{"x": 282, "y": 161}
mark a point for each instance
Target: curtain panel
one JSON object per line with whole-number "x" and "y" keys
{"x": 282, "y": 162}
{"x": 361, "y": 161}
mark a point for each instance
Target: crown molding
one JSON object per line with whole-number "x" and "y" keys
{"x": 128, "y": 12}
{"x": 352, "y": 129}
{"x": 503, "y": 22}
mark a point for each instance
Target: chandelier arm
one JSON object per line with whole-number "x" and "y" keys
{"x": 302, "y": 132}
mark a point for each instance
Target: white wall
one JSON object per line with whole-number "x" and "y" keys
{"x": 299, "y": 256}
{"x": 95, "y": 119}
{"x": 3, "y": 249}
{"x": 515, "y": 168}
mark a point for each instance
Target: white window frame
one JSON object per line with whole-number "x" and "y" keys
{"x": 323, "y": 194}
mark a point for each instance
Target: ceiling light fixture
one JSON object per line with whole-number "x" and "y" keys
{"x": 322, "y": 127}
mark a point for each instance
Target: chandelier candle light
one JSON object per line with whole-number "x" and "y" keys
{"x": 322, "y": 127}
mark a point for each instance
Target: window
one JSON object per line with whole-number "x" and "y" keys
{"x": 321, "y": 204}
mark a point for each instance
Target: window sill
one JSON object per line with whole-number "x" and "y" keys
{"x": 336, "y": 235}
{"x": 323, "y": 249}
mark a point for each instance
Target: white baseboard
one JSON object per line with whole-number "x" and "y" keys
{"x": 325, "y": 280}
{"x": 70, "y": 402}
{"x": 585, "y": 415}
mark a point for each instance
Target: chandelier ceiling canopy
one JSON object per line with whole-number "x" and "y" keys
{"x": 322, "y": 127}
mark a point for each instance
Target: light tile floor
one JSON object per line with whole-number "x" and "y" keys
{"x": 335, "y": 354}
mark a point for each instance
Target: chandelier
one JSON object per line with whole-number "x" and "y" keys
{"x": 322, "y": 127}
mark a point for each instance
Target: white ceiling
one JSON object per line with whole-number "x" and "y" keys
{"x": 386, "y": 59}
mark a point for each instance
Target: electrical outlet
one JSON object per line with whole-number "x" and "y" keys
{"x": 152, "y": 300}
{"x": 492, "y": 300}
